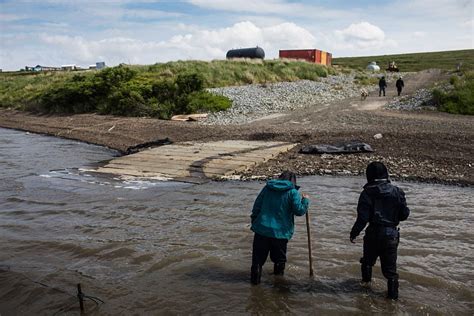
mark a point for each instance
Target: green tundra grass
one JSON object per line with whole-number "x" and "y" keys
{"x": 159, "y": 90}
{"x": 447, "y": 60}
{"x": 165, "y": 89}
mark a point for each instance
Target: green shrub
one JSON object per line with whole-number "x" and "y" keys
{"x": 125, "y": 102}
{"x": 453, "y": 80}
{"x": 115, "y": 75}
{"x": 159, "y": 90}
{"x": 460, "y": 100}
{"x": 120, "y": 91}
{"x": 74, "y": 96}
{"x": 364, "y": 80}
{"x": 188, "y": 83}
{"x": 83, "y": 94}
{"x": 163, "y": 110}
{"x": 203, "y": 101}
{"x": 163, "y": 90}
{"x": 437, "y": 97}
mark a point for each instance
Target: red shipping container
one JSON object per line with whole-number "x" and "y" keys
{"x": 311, "y": 55}
{"x": 329, "y": 59}
{"x": 305, "y": 54}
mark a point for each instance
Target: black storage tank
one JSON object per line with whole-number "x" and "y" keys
{"x": 252, "y": 52}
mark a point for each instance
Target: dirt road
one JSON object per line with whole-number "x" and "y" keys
{"x": 424, "y": 146}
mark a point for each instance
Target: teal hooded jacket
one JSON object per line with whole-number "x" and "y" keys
{"x": 275, "y": 207}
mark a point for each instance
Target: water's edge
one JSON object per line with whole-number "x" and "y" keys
{"x": 172, "y": 248}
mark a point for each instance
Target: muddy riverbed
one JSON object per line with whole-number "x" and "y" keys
{"x": 172, "y": 248}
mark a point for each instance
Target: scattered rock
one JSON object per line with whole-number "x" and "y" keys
{"x": 421, "y": 100}
{"x": 252, "y": 102}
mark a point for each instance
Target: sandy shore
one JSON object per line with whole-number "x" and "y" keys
{"x": 422, "y": 146}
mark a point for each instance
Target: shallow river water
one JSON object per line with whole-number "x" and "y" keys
{"x": 157, "y": 248}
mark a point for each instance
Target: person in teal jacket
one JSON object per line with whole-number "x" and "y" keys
{"x": 273, "y": 222}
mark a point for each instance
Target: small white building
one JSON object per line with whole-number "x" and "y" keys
{"x": 372, "y": 66}
{"x": 68, "y": 67}
{"x": 100, "y": 65}
{"x": 41, "y": 68}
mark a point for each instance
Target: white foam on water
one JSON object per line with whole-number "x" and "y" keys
{"x": 123, "y": 182}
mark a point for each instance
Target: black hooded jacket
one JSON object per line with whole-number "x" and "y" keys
{"x": 399, "y": 84}
{"x": 381, "y": 204}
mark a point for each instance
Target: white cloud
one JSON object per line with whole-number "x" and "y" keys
{"x": 106, "y": 12}
{"x": 271, "y": 7}
{"x": 288, "y": 35}
{"x": 198, "y": 44}
{"x": 87, "y": 2}
{"x": 363, "y": 31}
{"x": 6, "y": 17}
{"x": 83, "y": 31}
{"x": 264, "y": 6}
{"x": 419, "y": 34}
{"x": 151, "y": 14}
{"x": 361, "y": 35}
{"x": 260, "y": 20}
{"x": 438, "y": 8}
{"x": 468, "y": 24}
{"x": 77, "y": 50}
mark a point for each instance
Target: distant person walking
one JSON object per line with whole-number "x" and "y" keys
{"x": 273, "y": 222}
{"x": 383, "y": 206}
{"x": 382, "y": 86}
{"x": 399, "y": 84}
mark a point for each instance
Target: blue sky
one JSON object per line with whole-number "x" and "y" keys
{"x": 58, "y": 32}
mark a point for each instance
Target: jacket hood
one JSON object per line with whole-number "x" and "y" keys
{"x": 382, "y": 187}
{"x": 280, "y": 185}
{"x": 376, "y": 171}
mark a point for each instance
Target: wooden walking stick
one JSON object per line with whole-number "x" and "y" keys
{"x": 309, "y": 245}
{"x": 80, "y": 296}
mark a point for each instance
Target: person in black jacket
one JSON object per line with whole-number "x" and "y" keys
{"x": 382, "y": 86}
{"x": 381, "y": 205}
{"x": 399, "y": 84}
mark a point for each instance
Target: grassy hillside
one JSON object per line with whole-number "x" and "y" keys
{"x": 162, "y": 90}
{"x": 460, "y": 98}
{"x": 221, "y": 73}
{"x": 414, "y": 62}
{"x": 159, "y": 90}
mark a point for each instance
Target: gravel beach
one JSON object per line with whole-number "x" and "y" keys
{"x": 416, "y": 142}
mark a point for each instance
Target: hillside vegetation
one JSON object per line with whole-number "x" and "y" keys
{"x": 459, "y": 99}
{"x": 447, "y": 60}
{"x": 159, "y": 90}
{"x": 165, "y": 89}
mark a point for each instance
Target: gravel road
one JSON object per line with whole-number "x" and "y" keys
{"x": 257, "y": 101}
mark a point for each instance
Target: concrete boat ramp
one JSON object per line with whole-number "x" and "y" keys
{"x": 195, "y": 162}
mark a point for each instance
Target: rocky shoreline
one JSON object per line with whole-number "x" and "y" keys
{"x": 354, "y": 165}
{"x": 419, "y": 145}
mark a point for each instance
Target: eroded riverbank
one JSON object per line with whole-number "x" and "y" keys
{"x": 425, "y": 146}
